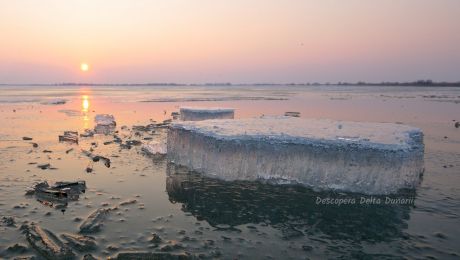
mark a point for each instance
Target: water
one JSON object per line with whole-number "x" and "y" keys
{"x": 227, "y": 219}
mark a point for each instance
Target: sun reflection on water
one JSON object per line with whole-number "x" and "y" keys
{"x": 85, "y": 104}
{"x": 84, "y": 109}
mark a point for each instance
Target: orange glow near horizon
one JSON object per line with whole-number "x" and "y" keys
{"x": 238, "y": 41}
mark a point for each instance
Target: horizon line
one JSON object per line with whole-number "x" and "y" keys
{"x": 339, "y": 83}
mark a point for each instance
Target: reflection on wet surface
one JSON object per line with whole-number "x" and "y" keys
{"x": 294, "y": 210}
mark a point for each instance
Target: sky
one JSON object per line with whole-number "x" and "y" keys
{"x": 239, "y": 41}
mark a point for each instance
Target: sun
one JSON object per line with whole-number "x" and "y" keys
{"x": 84, "y": 67}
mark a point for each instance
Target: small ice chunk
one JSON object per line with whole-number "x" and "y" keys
{"x": 204, "y": 113}
{"x": 69, "y": 136}
{"x": 56, "y": 101}
{"x": 94, "y": 221}
{"x": 105, "y": 124}
{"x": 79, "y": 242}
{"x": 155, "y": 148}
{"x": 292, "y": 114}
{"x": 46, "y": 242}
{"x": 104, "y": 119}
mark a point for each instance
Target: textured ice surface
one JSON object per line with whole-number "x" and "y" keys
{"x": 104, "y": 119}
{"x": 155, "y": 147}
{"x": 371, "y": 158}
{"x": 204, "y": 113}
{"x": 105, "y": 124}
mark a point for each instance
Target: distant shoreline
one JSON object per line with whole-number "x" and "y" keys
{"x": 419, "y": 83}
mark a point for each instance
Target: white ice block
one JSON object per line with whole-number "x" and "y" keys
{"x": 204, "y": 113}
{"x": 369, "y": 158}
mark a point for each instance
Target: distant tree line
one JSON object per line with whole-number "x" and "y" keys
{"x": 395, "y": 83}
{"x": 421, "y": 83}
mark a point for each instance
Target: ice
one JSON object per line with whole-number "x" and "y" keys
{"x": 213, "y": 99}
{"x": 293, "y": 114}
{"x": 155, "y": 148}
{"x": 369, "y": 158}
{"x": 204, "y": 113}
{"x": 56, "y": 101}
{"x": 46, "y": 243}
{"x": 69, "y": 136}
{"x": 105, "y": 124}
{"x": 104, "y": 119}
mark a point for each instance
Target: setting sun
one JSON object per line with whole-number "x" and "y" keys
{"x": 84, "y": 67}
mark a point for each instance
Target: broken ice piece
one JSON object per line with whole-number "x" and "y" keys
{"x": 128, "y": 202}
{"x": 105, "y": 119}
{"x": 43, "y": 188}
{"x": 59, "y": 192}
{"x": 44, "y": 166}
{"x": 79, "y": 242}
{"x": 8, "y": 221}
{"x": 94, "y": 221}
{"x": 133, "y": 142}
{"x": 69, "y": 136}
{"x": 87, "y": 133}
{"x": 104, "y": 129}
{"x": 105, "y": 124}
{"x": 46, "y": 243}
{"x": 56, "y": 101}
{"x": 73, "y": 187}
{"x": 204, "y": 113}
{"x": 155, "y": 148}
{"x": 292, "y": 114}
{"x": 96, "y": 158}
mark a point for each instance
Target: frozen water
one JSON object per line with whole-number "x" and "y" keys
{"x": 104, "y": 119}
{"x": 370, "y": 158}
{"x": 204, "y": 113}
{"x": 105, "y": 124}
{"x": 155, "y": 147}
{"x": 56, "y": 101}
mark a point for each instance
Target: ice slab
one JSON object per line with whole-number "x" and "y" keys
{"x": 369, "y": 158}
{"x": 204, "y": 113}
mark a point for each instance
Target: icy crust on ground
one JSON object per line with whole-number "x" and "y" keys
{"x": 204, "y": 113}
{"x": 370, "y": 158}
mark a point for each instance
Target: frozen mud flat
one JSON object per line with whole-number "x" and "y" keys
{"x": 369, "y": 158}
{"x": 204, "y": 113}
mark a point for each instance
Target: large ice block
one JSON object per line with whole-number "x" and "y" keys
{"x": 369, "y": 158}
{"x": 204, "y": 113}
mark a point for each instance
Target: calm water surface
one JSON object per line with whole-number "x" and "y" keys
{"x": 226, "y": 219}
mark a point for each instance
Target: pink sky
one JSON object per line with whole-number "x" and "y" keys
{"x": 229, "y": 41}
